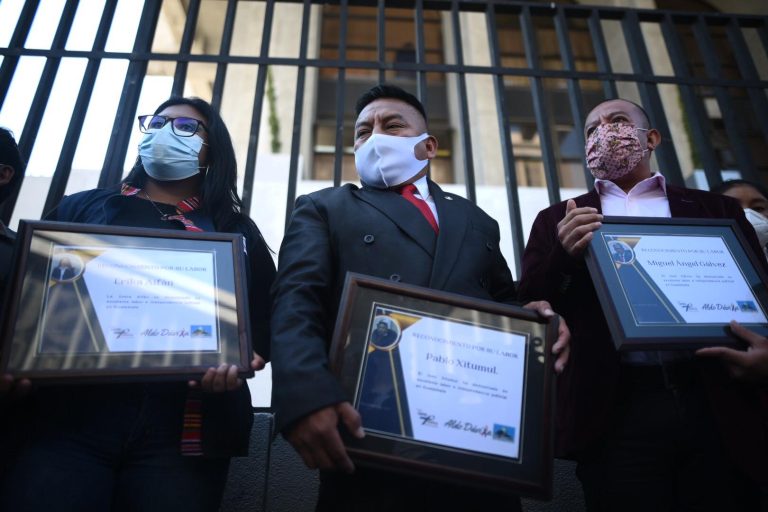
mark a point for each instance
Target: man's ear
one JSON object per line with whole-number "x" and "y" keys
{"x": 654, "y": 139}
{"x": 430, "y": 143}
{"x": 6, "y": 174}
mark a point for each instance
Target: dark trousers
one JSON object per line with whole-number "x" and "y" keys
{"x": 369, "y": 490}
{"x": 663, "y": 451}
{"x": 109, "y": 448}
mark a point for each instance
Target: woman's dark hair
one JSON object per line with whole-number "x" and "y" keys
{"x": 218, "y": 194}
{"x": 10, "y": 155}
{"x": 729, "y": 184}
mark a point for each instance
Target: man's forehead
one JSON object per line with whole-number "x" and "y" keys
{"x": 387, "y": 107}
{"x": 612, "y": 107}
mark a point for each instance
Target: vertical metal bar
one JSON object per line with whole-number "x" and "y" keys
{"x": 748, "y": 72}
{"x": 44, "y": 86}
{"x": 507, "y": 152}
{"x": 226, "y": 44}
{"x": 421, "y": 52}
{"x": 601, "y": 54}
{"x": 112, "y": 169}
{"x": 574, "y": 88}
{"x": 381, "y": 39}
{"x": 466, "y": 136}
{"x": 64, "y": 165}
{"x": 649, "y": 92}
{"x": 298, "y": 110}
{"x": 258, "y": 100}
{"x": 762, "y": 30}
{"x": 541, "y": 113}
{"x": 340, "y": 95}
{"x": 20, "y": 33}
{"x": 692, "y": 104}
{"x": 733, "y": 127}
{"x": 182, "y": 64}
{"x": 40, "y": 101}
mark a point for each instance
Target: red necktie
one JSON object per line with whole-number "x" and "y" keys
{"x": 407, "y": 192}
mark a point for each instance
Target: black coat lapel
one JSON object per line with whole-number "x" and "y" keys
{"x": 452, "y": 217}
{"x": 680, "y": 204}
{"x": 592, "y": 199}
{"x": 405, "y": 215}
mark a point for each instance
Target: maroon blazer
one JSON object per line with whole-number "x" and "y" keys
{"x": 587, "y": 390}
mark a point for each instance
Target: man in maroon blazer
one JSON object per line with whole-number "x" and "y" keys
{"x": 650, "y": 430}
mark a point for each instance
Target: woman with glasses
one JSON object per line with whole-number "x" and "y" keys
{"x": 156, "y": 446}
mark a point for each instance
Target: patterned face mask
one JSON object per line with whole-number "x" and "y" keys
{"x": 613, "y": 150}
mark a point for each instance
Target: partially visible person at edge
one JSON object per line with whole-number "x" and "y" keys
{"x": 158, "y": 446}
{"x": 655, "y": 431}
{"x": 12, "y": 167}
{"x": 400, "y": 226}
{"x": 754, "y": 199}
{"x": 750, "y": 365}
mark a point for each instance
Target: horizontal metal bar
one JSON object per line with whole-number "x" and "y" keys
{"x": 578, "y": 11}
{"x": 397, "y": 66}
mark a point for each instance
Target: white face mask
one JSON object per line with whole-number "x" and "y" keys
{"x": 385, "y": 161}
{"x": 168, "y": 157}
{"x": 760, "y": 223}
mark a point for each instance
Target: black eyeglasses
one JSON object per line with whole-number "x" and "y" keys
{"x": 181, "y": 126}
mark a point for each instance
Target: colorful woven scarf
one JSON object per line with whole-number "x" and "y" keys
{"x": 191, "y": 435}
{"x": 185, "y": 206}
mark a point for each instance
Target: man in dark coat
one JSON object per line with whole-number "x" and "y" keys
{"x": 12, "y": 167}
{"x": 439, "y": 240}
{"x": 650, "y": 430}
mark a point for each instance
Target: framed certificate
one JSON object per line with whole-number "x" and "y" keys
{"x": 105, "y": 302}
{"x": 448, "y": 387}
{"x": 676, "y": 283}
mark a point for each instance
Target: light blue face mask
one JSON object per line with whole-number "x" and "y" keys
{"x": 168, "y": 157}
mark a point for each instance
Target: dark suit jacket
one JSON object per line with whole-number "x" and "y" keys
{"x": 373, "y": 232}
{"x": 587, "y": 390}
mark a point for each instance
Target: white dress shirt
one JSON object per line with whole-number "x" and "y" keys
{"x": 423, "y": 187}
{"x": 646, "y": 199}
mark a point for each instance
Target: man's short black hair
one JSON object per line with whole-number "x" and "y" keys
{"x": 10, "y": 155}
{"x": 389, "y": 91}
